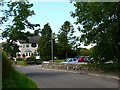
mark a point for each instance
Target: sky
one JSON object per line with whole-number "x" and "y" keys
{"x": 54, "y": 13}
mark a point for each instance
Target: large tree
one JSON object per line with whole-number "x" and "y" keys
{"x": 45, "y": 43}
{"x": 101, "y": 25}
{"x": 66, "y": 40}
{"x": 18, "y": 13}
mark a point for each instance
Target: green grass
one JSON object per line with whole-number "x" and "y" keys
{"x": 13, "y": 79}
{"x": 20, "y": 63}
{"x": 18, "y": 80}
{"x": 62, "y": 60}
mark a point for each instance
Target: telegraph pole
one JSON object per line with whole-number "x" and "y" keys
{"x": 52, "y": 46}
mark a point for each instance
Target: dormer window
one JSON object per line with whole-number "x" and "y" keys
{"x": 27, "y": 45}
{"x": 33, "y": 45}
{"x": 23, "y": 46}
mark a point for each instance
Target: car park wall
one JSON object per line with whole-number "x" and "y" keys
{"x": 54, "y": 65}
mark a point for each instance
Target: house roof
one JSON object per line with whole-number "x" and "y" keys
{"x": 32, "y": 39}
{"x": 22, "y": 41}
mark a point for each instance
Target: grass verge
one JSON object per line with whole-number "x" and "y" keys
{"x": 18, "y": 80}
{"x": 21, "y": 63}
{"x": 62, "y": 60}
{"x": 13, "y": 79}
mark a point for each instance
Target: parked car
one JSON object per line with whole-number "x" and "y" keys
{"x": 86, "y": 59}
{"x": 81, "y": 59}
{"x": 70, "y": 61}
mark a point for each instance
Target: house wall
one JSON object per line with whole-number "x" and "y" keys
{"x": 27, "y": 50}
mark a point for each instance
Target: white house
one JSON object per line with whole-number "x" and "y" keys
{"x": 27, "y": 48}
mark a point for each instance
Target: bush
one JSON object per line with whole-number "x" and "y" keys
{"x": 62, "y": 60}
{"x": 108, "y": 67}
{"x": 32, "y": 58}
{"x": 30, "y": 61}
{"x": 38, "y": 61}
{"x": 20, "y": 59}
{"x": 6, "y": 66}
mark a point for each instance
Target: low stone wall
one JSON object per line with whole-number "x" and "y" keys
{"x": 65, "y": 66}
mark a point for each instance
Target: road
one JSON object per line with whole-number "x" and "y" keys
{"x": 62, "y": 79}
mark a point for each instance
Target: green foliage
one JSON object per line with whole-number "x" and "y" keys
{"x": 22, "y": 63}
{"x": 32, "y": 58}
{"x": 100, "y": 23}
{"x": 62, "y": 60}
{"x": 13, "y": 79}
{"x": 11, "y": 49}
{"x": 20, "y": 59}
{"x": 84, "y": 52}
{"x": 18, "y": 80}
{"x": 66, "y": 40}
{"x": 38, "y": 61}
{"x": 6, "y": 66}
{"x": 102, "y": 53}
{"x": 108, "y": 67}
{"x": 45, "y": 43}
{"x": 18, "y": 13}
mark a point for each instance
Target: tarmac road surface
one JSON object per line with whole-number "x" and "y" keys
{"x": 61, "y": 79}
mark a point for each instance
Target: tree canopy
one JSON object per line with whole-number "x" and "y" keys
{"x": 66, "y": 40}
{"x": 18, "y": 13}
{"x": 45, "y": 43}
{"x": 100, "y": 23}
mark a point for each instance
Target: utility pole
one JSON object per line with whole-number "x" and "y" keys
{"x": 52, "y": 46}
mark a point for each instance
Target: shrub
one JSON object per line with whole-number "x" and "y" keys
{"x": 20, "y": 59}
{"x": 6, "y": 65}
{"x": 62, "y": 60}
{"x": 109, "y": 67}
{"x": 38, "y": 61}
{"x": 30, "y": 60}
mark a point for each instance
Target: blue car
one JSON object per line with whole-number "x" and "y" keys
{"x": 70, "y": 61}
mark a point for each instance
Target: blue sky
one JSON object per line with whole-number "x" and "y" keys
{"x": 54, "y": 13}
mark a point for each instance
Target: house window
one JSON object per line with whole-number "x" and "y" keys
{"x": 26, "y": 54}
{"x": 27, "y": 45}
{"x": 18, "y": 55}
{"x": 23, "y": 46}
{"x": 33, "y": 45}
{"x": 29, "y": 53}
{"x": 23, "y": 55}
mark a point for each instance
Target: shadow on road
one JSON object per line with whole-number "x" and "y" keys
{"x": 45, "y": 74}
